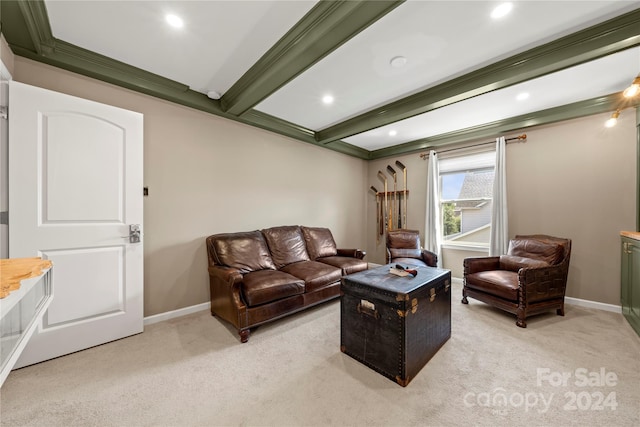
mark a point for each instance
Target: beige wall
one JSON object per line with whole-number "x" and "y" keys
{"x": 207, "y": 175}
{"x": 210, "y": 175}
{"x": 6, "y": 55}
{"x": 573, "y": 179}
{"x": 585, "y": 190}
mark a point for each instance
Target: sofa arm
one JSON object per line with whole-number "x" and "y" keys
{"x": 353, "y": 253}
{"x": 430, "y": 258}
{"x": 226, "y": 295}
{"x": 225, "y": 274}
{"x": 474, "y": 265}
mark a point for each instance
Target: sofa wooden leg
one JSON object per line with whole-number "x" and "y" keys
{"x": 244, "y": 335}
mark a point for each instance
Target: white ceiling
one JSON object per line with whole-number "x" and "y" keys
{"x": 440, "y": 40}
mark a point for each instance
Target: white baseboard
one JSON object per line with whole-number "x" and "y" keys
{"x": 176, "y": 313}
{"x": 573, "y": 301}
{"x": 593, "y": 304}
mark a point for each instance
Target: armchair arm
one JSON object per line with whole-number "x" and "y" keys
{"x": 430, "y": 258}
{"x": 353, "y": 253}
{"x": 475, "y": 265}
{"x": 540, "y": 283}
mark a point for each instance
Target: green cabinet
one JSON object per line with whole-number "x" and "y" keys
{"x": 630, "y": 275}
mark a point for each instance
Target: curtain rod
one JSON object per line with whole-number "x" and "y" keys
{"x": 515, "y": 138}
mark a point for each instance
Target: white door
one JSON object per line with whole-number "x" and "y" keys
{"x": 75, "y": 186}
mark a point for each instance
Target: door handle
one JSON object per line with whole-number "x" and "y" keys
{"x": 134, "y": 233}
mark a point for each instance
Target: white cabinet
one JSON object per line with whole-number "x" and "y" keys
{"x": 20, "y": 313}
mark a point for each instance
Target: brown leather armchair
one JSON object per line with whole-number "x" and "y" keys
{"x": 403, "y": 247}
{"x": 530, "y": 279}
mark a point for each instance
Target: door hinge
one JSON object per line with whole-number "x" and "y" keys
{"x": 4, "y": 218}
{"x": 4, "y": 112}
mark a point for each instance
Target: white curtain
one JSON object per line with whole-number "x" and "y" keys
{"x": 432, "y": 225}
{"x": 499, "y": 240}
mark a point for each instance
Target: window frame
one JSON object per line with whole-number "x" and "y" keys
{"x": 483, "y": 161}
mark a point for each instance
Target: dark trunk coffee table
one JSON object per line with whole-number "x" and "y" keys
{"x": 393, "y": 324}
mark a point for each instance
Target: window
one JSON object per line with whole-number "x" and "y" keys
{"x": 466, "y": 195}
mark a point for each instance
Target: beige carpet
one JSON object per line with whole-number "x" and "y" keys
{"x": 193, "y": 371}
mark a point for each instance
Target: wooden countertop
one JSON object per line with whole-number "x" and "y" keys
{"x": 631, "y": 234}
{"x": 14, "y": 270}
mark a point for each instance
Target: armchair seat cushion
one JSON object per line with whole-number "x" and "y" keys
{"x": 260, "y": 287}
{"x": 410, "y": 261}
{"x": 501, "y": 283}
{"x": 348, "y": 265}
{"x": 315, "y": 274}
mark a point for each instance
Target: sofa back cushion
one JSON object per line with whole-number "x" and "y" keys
{"x": 286, "y": 245}
{"x": 319, "y": 242}
{"x": 246, "y": 251}
{"x": 547, "y": 251}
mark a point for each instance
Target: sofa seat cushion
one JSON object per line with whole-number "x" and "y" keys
{"x": 348, "y": 265}
{"x": 501, "y": 283}
{"x": 261, "y": 287}
{"x": 410, "y": 261}
{"x": 246, "y": 251}
{"x": 515, "y": 263}
{"x": 550, "y": 252}
{"x": 286, "y": 245}
{"x": 319, "y": 242}
{"x": 315, "y": 274}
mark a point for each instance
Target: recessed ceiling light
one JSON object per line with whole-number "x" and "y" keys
{"x": 501, "y": 10}
{"x": 398, "y": 61}
{"x": 522, "y": 96}
{"x": 393, "y": 132}
{"x": 327, "y": 99}
{"x": 175, "y": 21}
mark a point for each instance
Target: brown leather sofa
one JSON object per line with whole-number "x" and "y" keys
{"x": 259, "y": 276}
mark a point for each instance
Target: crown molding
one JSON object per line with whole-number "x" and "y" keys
{"x": 37, "y": 24}
{"x": 27, "y": 30}
{"x": 283, "y": 127}
{"x": 575, "y": 110}
{"x": 609, "y": 37}
{"x": 323, "y": 29}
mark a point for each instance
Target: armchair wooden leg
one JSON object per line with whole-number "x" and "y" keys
{"x": 464, "y": 297}
{"x": 244, "y": 335}
{"x": 521, "y": 322}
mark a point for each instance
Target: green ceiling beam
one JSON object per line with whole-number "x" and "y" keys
{"x": 612, "y": 36}
{"x": 327, "y": 26}
{"x": 27, "y": 30}
{"x": 575, "y": 110}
